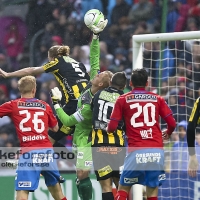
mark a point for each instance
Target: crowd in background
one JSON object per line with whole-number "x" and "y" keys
{"x": 61, "y": 22}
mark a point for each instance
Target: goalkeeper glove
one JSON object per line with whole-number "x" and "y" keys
{"x": 56, "y": 97}
{"x": 96, "y": 29}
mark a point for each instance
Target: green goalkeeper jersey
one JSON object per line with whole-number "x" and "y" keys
{"x": 82, "y": 119}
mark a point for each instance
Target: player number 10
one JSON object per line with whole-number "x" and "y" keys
{"x": 145, "y": 110}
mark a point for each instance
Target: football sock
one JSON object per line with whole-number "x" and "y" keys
{"x": 64, "y": 198}
{"x": 85, "y": 189}
{"x": 121, "y": 195}
{"x": 107, "y": 196}
{"x": 62, "y": 148}
{"x": 152, "y": 198}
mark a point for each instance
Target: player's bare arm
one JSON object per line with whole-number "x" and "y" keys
{"x": 55, "y": 128}
{"x": 34, "y": 71}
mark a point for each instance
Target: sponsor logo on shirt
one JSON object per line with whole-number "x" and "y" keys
{"x": 38, "y": 105}
{"x": 24, "y": 184}
{"x": 146, "y": 134}
{"x": 148, "y": 157}
{"x": 109, "y": 150}
{"x": 130, "y": 180}
{"x": 141, "y": 97}
{"x": 80, "y": 155}
{"x": 111, "y": 97}
{"x": 88, "y": 163}
{"x": 32, "y": 138}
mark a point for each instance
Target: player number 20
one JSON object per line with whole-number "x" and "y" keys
{"x": 147, "y": 109}
{"x": 36, "y": 121}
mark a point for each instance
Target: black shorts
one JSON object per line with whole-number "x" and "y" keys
{"x": 107, "y": 160}
{"x": 69, "y": 108}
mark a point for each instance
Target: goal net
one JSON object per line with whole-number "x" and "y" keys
{"x": 173, "y": 63}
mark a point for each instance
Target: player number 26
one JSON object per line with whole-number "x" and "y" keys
{"x": 147, "y": 110}
{"x": 36, "y": 121}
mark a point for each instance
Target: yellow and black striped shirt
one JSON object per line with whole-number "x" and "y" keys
{"x": 70, "y": 74}
{"x": 103, "y": 104}
{"x": 194, "y": 120}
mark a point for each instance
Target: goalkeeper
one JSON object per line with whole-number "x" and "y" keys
{"x": 83, "y": 117}
{"x": 193, "y": 164}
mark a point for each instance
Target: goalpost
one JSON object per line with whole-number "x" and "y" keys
{"x": 173, "y": 63}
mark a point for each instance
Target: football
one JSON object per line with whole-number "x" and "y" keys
{"x": 93, "y": 17}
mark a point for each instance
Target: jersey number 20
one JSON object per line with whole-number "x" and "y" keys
{"x": 146, "y": 113}
{"x": 35, "y": 120}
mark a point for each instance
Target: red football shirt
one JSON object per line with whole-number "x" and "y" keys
{"x": 32, "y": 118}
{"x": 141, "y": 110}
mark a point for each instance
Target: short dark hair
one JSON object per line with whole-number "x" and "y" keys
{"x": 139, "y": 77}
{"x": 119, "y": 80}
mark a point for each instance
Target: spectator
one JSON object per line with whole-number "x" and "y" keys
{"x": 39, "y": 14}
{"x": 179, "y": 156}
{"x": 70, "y": 35}
{"x": 181, "y": 90}
{"x": 13, "y": 92}
{"x": 56, "y": 40}
{"x": 182, "y": 20}
{"x": 118, "y": 61}
{"x": 14, "y": 43}
{"x": 191, "y": 24}
{"x": 195, "y": 12}
{"x": 168, "y": 65}
{"x": 60, "y": 25}
{"x": 172, "y": 17}
{"x": 121, "y": 9}
{"x": 3, "y": 62}
{"x": 45, "y": 43}
{"x": 64, "y": 7}
{"x": 141, "y": 11}
{"x": 3, "y": 94}
{"x": 112, "y": 38}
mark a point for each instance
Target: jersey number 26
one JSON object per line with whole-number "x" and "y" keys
{"x": 35, "y": 120}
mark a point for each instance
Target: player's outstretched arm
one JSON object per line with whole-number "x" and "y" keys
{"x": 94, "y": 57}
{"x": 78, "y": 116}
{"x": 67, "y": 120}
{"x": 22, "y": 72}
{"x": 95, "y": 49}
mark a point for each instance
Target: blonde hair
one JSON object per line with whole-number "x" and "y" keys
{"x": 26, "y": 84}
{"x": 58, "y": 51}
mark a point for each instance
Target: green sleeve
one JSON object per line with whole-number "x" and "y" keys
{"x": 80, "y": 115}
{"x": 94, "y": 58}
{"x": 84, "y": 112}
{"x": 65, "y": 118}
